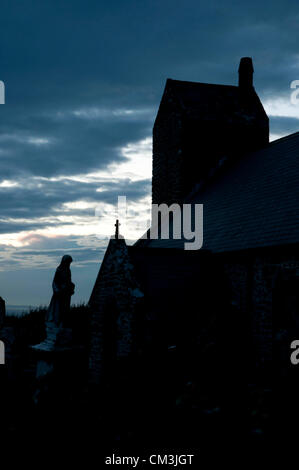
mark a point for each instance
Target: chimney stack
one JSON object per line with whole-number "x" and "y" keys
{"x": 246, "y": 73}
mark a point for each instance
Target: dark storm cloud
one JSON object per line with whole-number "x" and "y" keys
{"x": 59, "y": 56}
{"x": 30, "y": 204}
{"x": 114, "y": 46}
{"x": 65, "y": 143}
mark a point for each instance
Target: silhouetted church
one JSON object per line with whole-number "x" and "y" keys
{"x": 211, "y": 147}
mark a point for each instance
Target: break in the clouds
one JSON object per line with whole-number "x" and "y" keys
{"x": 83, "y": 83}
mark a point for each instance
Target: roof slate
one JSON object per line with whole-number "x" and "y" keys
{"x": 253, "y": 204}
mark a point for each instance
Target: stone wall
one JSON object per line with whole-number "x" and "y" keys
{"x": 252, "y": 281}
{"x": 167, "y": 185}
{"x": 117, "y": 293}
{"x": 197, "y": 130}
{"x": 252, "y": 277}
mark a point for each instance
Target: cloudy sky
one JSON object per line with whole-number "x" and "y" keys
{"x": 83, "y": 82}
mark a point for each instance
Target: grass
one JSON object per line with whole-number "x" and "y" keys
{"x": 29, "y": 328}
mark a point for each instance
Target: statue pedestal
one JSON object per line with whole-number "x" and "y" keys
{"x": 56, "y": 360}
{"x": 57, "y": 339}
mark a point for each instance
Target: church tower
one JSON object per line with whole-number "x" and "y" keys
{"x": 199, "y": 127}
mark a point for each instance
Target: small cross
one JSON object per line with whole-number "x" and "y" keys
{"x": 117, "y": 229}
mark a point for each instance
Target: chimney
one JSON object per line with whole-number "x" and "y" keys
{"x": 246, "y": 73}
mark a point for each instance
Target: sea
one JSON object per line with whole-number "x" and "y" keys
{"x": 18, "y": 310}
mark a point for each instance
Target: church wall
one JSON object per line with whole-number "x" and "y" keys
{"x": 167, "y": 159}
{"x": 252, "y": 278}
{"x": 115, "y": 289}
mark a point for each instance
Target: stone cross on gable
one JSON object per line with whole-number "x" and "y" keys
{"x": 117, "y": 229}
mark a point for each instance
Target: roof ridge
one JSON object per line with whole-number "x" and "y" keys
{"x": 202, "y": 83}
{"x": 285, "y": 137}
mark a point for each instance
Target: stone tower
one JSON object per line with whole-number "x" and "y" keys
{"x": 199, "y": 127}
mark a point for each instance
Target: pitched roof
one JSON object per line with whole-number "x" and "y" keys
{"x": 212, "y": 100}
{"x": 252, "y": 204}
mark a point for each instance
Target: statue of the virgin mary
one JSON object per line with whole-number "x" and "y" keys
{"x": 63, "y": 289}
